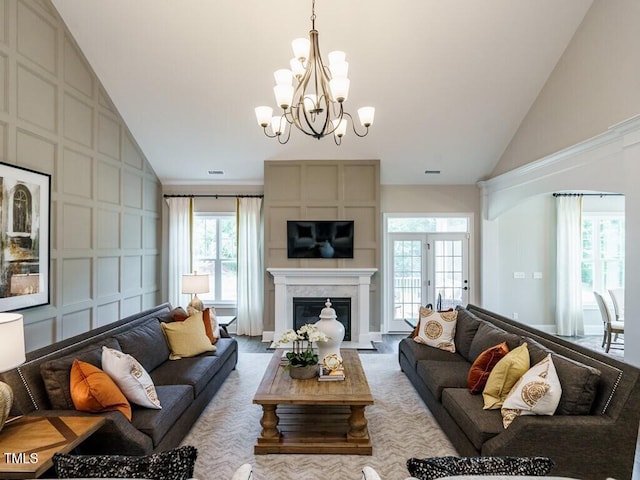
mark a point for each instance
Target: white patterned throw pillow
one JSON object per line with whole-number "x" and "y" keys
{"x": 538, "y": 392}
{"x": 437, "y": 329}
{"x": 131, "y": 378}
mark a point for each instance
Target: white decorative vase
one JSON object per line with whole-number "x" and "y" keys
{"x": 6, "y": 399}
{"x": 333, "y": 329}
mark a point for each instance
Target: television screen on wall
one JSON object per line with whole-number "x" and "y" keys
{"x": 320, "y": 238}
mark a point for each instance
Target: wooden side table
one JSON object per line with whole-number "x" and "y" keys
{"x": 27, "y": 444}
{"x": 225, "y": 320}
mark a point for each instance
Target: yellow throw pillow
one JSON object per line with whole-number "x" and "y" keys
{"x": 188, "y": 338}
{"x": 94, "y": 391}
{"x": 504, "y": 376}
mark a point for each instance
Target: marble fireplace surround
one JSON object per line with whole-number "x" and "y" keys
{"x": 324, "y": 282}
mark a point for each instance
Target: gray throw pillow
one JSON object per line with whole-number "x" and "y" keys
{"x": 176, "y": 464}
{"x": 438, "y": 467}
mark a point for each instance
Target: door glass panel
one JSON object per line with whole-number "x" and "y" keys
{"x": 407, "y": 278}
{"x": 449, "y": 274}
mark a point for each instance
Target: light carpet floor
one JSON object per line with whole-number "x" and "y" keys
{"x": 400, "y": 426}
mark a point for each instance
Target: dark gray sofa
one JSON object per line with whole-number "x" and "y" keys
{"x": 594, "y": 431}
{"x": 184, "y": 387}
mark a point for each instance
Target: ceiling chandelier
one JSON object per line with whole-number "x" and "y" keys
{"x": 315, "y": 105}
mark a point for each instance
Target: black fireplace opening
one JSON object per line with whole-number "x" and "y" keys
{"x": 307, "y": 310}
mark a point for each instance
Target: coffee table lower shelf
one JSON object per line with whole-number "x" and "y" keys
{"x": 315, "y": 429}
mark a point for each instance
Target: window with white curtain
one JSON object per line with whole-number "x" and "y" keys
{"x": 214, "y": 252}
{"x": 602, "y": 254}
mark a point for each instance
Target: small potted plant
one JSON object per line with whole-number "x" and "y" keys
{"x": 302, "y": 360}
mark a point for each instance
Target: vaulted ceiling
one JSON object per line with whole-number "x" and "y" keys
{"x": 451, "y": 80}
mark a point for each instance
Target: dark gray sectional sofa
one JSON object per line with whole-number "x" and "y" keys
{"x": 184, "y": 387}
{"x": 594, "y": 431}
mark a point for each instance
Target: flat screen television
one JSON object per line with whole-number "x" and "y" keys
{"x": 320, "y": 238}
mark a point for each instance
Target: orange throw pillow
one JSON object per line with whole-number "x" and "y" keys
{"x": 482, "y": 366}
{"x": 94, "y": 391}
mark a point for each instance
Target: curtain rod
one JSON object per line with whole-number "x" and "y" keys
{"x": 588, "y": 195}
{"x": 214, "y": 195}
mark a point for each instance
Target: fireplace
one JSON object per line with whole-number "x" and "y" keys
{"x": 353, "y": 283}
{"x": 307, "y": 310}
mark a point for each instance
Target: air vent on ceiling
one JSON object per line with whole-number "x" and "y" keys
{"x": 216, "y": 172}
{"x": 432, "y": 172}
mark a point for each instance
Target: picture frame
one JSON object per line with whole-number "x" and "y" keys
{"x": 25, "y": 226}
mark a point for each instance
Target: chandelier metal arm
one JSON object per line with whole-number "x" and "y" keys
{"x": 353, "y": 126}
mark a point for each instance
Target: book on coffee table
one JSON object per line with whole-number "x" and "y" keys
{"x": 327, "y": 375}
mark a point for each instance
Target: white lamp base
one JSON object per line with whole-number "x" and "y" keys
{"x": 6, "y": 400}
{"x": 196, "y": 303}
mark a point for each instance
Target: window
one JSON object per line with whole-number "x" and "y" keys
{"x": 214, "y": 252}
{"x": 602, "y": 254}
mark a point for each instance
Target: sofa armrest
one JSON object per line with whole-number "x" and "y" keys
{"x": 564, "y": 438}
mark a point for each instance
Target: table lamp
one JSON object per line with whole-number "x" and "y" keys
{"x": 193, "y": 283}
{"x": 11, "y": 355}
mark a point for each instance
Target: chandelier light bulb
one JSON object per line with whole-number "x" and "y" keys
{"x": 339, "y": 69}
{"x": 283, "y": 77}
{"x": 284, "y": 95}
{"x": 301, "y": 48}
{"x": 366, "y": 115}
{"x": 336, "y": 56}
{"x": 340, "y": 126}
{"x": 277, "y": 126}
{"x": 296, "y": 67}
{"x": 263, "y": 115}
{"x": 339, "y": 89}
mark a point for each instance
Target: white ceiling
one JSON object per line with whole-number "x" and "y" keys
{"x": 451, "y": 80}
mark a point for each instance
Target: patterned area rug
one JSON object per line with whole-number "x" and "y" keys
{"x": 400, "y": 426}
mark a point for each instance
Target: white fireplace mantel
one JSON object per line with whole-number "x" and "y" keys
{"x": 324, "y": 282}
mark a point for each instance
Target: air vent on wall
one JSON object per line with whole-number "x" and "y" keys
{"x": 216, "y": 172}
{"x": 432, "y": 172}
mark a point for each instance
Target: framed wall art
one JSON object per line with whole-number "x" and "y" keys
{"x": 25, "y": 199}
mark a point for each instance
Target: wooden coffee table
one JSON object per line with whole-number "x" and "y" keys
{"x": 308, "y": 416}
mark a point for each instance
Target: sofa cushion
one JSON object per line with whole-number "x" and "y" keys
{"x": 478, "y": 425}
{"x": 438, "y": 375}
{"x": 579, "y": 381}
{"x": 439, "y": 467}
{"x": 487, "y": 336}
{"x": 482, "y": 366}
{"x": 56, "y": 374}
{"x": 466, "y": 328}
{"x": 416, "y": 352}
{"x": 94, "y": 391}
{"x": 194, "y": 371}
{"x": 505, "y": 375}
{"x": 131, "y": 377}
{"x": 536, "y": 393}
{"x": 176, "y": 464}
{"x": 146, "y": 343}
{"x": 175, "y": 399}
{"x": 437, "y": 329}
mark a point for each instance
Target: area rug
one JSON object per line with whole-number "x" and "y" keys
{"x": 400, "y": 426}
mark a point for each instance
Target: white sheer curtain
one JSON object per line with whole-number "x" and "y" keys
{"x": 180, "y": 212}
{"x": 568, "y": 265}
{"x": 250, "y": 271}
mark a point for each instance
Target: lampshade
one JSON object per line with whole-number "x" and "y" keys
{"x": 11, "y": 341}
{"x": 194, "y": 283}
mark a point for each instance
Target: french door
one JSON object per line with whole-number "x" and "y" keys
{"x": 426, "y": 268}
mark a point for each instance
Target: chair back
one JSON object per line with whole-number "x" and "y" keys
{"x": 617, "y": 297}
{"x": 604, "y": 310}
